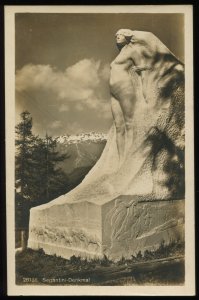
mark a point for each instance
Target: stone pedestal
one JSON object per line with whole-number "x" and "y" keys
{"x": 120, "y": 227}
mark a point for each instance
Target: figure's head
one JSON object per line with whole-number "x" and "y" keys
{"x": 123, "y": 37}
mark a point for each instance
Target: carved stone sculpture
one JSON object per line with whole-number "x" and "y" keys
{"x": 132, "y": 199}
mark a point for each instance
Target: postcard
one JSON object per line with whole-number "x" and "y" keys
{"x": 99, "y": 150}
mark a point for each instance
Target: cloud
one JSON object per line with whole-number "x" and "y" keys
{"x": 79, "y": 107}
{"x": 56, "y": 124}
{"x": 85, "y": 72}
{"x": 74, "y": 128}
{"x": 64, "y": 108}
{"x": 35, "y": 76}
{"x": 105, "y": 72}
{"x": 64, "y": 99}
{"x": 82, "y": 81}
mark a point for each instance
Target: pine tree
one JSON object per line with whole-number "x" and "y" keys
{"x": 25, "y": 142}
{"x": 52, "y": 180}
{"x": 37, "y": 172}
{"x": 56, "y": 179}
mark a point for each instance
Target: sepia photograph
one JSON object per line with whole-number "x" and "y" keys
{"x": 99, "y": 150}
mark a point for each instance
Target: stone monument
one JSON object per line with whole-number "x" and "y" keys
{"x": 133, "y": 198}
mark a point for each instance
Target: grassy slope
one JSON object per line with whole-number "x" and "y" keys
{"x": 163, "y": 266}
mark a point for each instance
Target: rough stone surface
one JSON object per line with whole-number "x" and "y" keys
{"x": 128, "y": 201}
{"x": 118, "y": 228}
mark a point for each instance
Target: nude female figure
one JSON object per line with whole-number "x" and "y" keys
{"x": 124, "y": 87}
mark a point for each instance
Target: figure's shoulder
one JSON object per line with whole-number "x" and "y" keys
{"x": 125, "y": 53}
{"x": 131, "y": 46}
{"x": 127, "y": 48}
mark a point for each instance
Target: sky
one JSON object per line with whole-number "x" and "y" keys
{"x": 62, "y": 65}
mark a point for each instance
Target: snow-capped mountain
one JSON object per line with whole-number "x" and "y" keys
{"x": 94, "y": 137}
{"x": 83, "y": 151}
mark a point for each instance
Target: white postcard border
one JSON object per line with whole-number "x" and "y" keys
{"x": 189, "y": 287}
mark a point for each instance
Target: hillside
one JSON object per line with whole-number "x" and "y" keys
{"x": 83, "y": 150}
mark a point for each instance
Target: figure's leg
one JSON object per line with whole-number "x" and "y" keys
{"x": 120, "y": 127}
{"x": 127, "y": 106}
{"x": 123, "y": 107}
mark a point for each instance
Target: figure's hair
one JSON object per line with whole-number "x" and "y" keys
{"x": 128, "y": 33}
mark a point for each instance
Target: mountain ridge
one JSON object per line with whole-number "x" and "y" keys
{"x": 92, "y": 136}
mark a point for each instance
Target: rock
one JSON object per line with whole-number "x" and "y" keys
{"x": 117, "y": 228}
